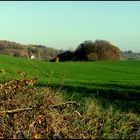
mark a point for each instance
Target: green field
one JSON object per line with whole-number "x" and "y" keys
{"x": 120, "y": 76}
{"x": 110, "y": 79}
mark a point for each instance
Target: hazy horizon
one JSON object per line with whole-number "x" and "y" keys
{"x": 65, "y": 24}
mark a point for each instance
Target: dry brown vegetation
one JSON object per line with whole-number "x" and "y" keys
{"x": 27, "y": 111}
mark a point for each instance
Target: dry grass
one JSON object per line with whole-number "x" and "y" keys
{"x": 29, "y": 112}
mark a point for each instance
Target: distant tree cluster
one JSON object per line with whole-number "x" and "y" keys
{"x": 98, "y": 50}
{"x": 92, "y": 51}
{"x": 27, "y": 51}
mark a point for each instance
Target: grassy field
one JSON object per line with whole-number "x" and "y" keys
{"x": 108, "y": 94}
{"x": 119, "y": 76}
{"x": 76, "y": 73}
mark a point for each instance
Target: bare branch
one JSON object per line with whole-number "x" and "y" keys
{"x": 15, "y": 110}
{"x": 68, "y": 102}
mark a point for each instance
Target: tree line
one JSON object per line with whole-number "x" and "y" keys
{"x": 86, "y": 51}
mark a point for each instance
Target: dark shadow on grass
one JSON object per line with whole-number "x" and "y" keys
{"x": 123, "y": 97}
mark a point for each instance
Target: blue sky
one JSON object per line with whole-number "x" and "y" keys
{"x": 65, "y": 24}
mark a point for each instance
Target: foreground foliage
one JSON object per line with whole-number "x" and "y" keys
{"x": 27, "y": 111}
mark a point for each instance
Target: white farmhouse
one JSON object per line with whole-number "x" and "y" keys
{"x": 33, "y": 57}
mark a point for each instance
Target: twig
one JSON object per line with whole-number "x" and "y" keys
{"x": 68, "y": 102}
{"x": 15, "y": 110}
{"x": 78, "y": 113}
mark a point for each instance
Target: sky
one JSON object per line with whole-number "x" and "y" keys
{"x": 66, "y": 24}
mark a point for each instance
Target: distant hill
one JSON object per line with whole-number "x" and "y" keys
{"x": 19, "y": 50}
